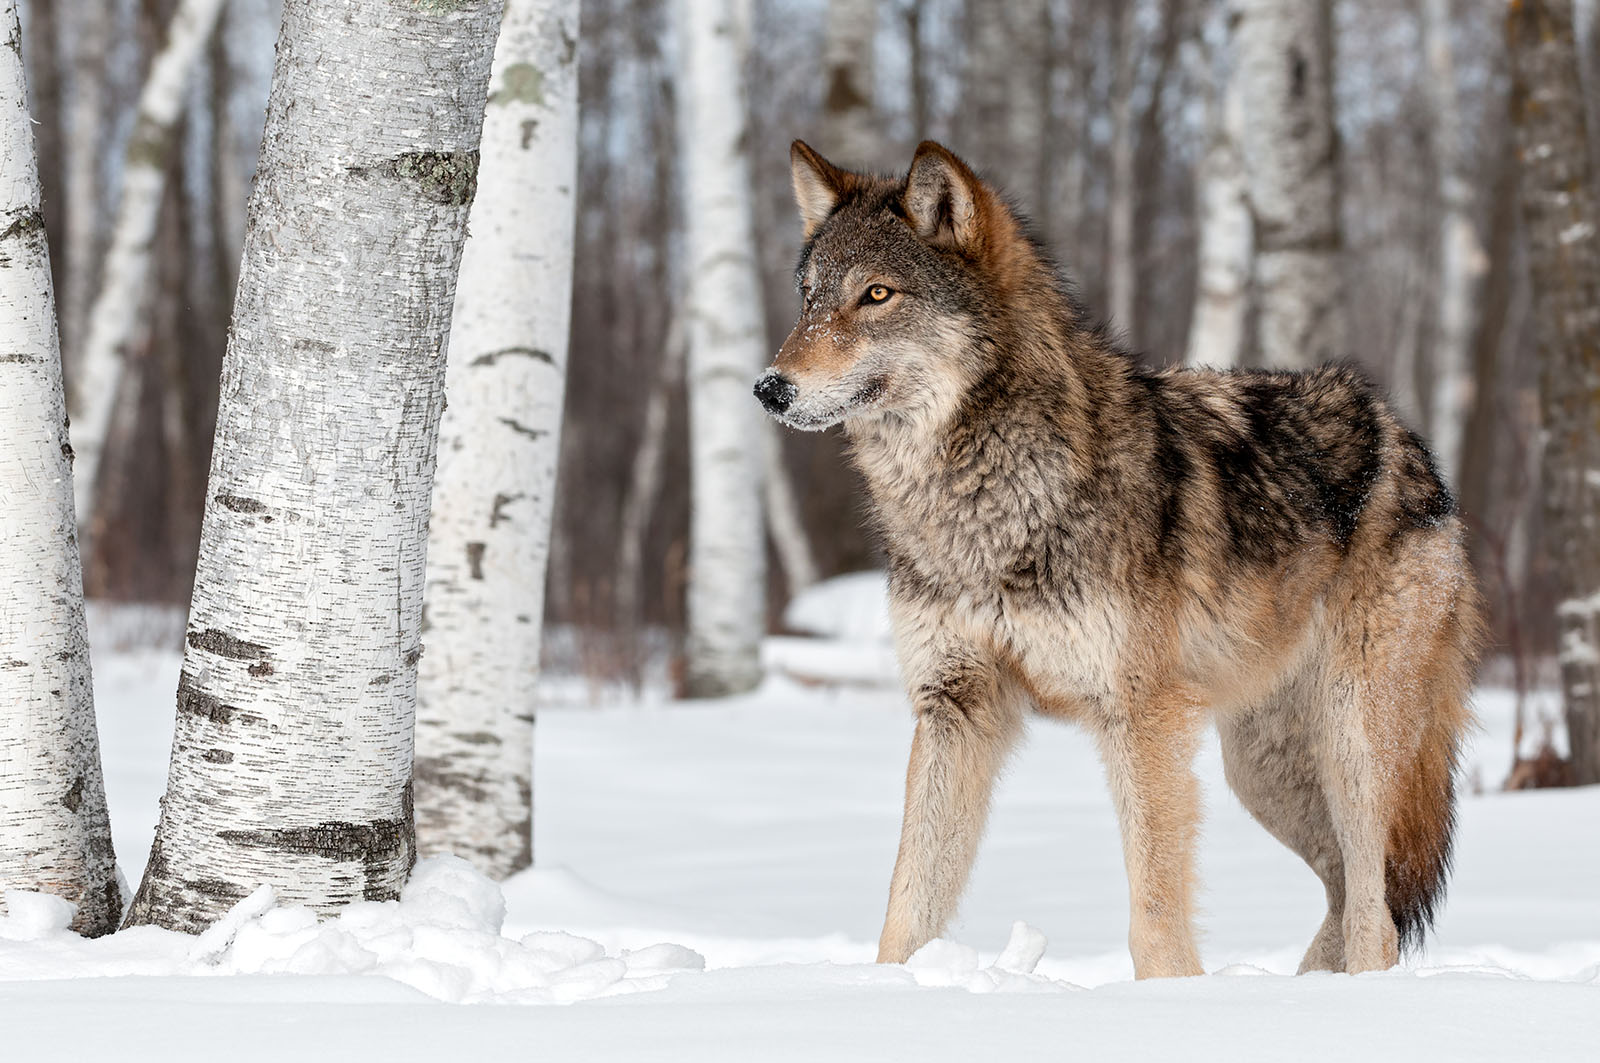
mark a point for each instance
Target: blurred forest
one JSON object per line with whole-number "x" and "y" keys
{"x": 1097, "y": 115}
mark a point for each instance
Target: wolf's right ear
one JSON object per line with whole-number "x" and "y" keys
{"x": 943, "y": 198}
{"x": 818, "y": 185}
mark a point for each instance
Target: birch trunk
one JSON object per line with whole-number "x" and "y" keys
{"x": 1007, "y": 81}
{"x": 55, "y": 836}
{"x": 89, "y": 46}
{"x": 1119, "y": 208}
{"x": 849, "y": 127}
{"x": 489, "y": 538}
{"x": 784, "y": 523}
{"x": 1226, "y": 244}
{"x": 114, "y": 316}
{"x": 1461, "y": 258}
{"x": 1563, "y": 232}
{"x": 1290, "y": 147}
{"x": 291, "y": 758}
{"x": 727, "y": 347}
{"x": 644, "y": 485}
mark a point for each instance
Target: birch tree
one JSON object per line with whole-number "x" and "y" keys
{"x": 83, "y": 148}
{"x": 55, "y": 836}
{"x": 292, "y": 754}
{"x": 1120, "y": 267}
{"x": 849, "y": 126}
{"x": 1284, "y": 55}
{"x": 1007, "y": 82}
{"x": 727, "y": 348}
{"x": 1460, "y": 254}
{"x": 1225, "y": 244}
{"x": 1563, "y": 234}
{"x": 489, "y": 537}
{"x": 115, "y": 314}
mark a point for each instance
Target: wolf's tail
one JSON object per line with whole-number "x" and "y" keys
{"x": 1423, "y": 824}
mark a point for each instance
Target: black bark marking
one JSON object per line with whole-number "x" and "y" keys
{"x": 378, "y": 681}
{"x": 27, "y": 223}
{"x": 225, "y": 645}
{"x": 480, "y": 738}
{"x": 497, "y": 514}
{"x": 18, "y": 358}
{"x": 218, "y": 756}
{"x": 73, "y": 798}
{"x": 475, "y": 559}
{"x": 239, "y": 504}
{"x": 448, "y": 177}
{"x": 506, "y": 352}
{"x": 261, "y": 668}
{"x": 14, "y": 664}
{"x": 522, "y": 429}
{"x": 413, "y": 657}
{"x": 197, "y": 702}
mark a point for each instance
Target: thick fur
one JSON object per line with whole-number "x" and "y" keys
{"x": 1137, "y": 552}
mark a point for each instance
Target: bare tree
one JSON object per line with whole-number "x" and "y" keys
{"x": 1284, "y": 55}
{"x": 1461, "y": 260}
{"x": 489, "y": 537}
{"x": 55, "y": 836}
{"x": 727, "y": 347}
{"x": 1226, "y": 244}
{"x": 115, "y": 313}
{"x": 83, "y": 146}
{"x": 1563, "y": 233}
{"x": 292, "y": 754}
{"x": 849, "y": 123}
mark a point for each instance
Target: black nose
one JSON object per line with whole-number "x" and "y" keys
{"x": 775, "y": 391}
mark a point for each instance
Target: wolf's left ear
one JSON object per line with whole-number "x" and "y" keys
{"x": 818, "y": 184}
{"x": 943, "y": 197}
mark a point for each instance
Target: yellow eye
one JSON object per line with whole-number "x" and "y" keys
{"x": 878, "y": 293}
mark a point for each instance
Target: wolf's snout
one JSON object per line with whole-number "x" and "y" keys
{"x": 775, "y": 391}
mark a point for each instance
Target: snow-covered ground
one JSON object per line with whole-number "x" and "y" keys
{"x": 710, "y": 885}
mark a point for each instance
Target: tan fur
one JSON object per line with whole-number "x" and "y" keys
{"x": 1139, "y": 554}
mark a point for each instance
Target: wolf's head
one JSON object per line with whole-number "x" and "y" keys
{"x": 897, "y": 280}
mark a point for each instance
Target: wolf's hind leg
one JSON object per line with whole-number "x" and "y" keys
{"x": 967, "y": 722}
{"x": 1148, "y": 752}
{"x": 1268, "y": 759}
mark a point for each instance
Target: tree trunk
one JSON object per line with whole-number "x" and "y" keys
{"x": 1120, "y": 273}
{"x": 1563, "y": 227}
{"x": 784, "y": 522}
{"x": 1284, "y": 55}
{"x": 494, "y": 490}
{"x": 1461, "y": 259}
{"x": 1006, "y": 92}
{"x": 849, "y": 127}
{"x": 55, "y": 836}
{"x": 291, "y": 758}
{"x": 84, "y": 131}
{"x": 727, "y": 348}
{"x": 42, "y": 58}
{"x": 1226, "y": 244}
{"x": 114, "y": 316}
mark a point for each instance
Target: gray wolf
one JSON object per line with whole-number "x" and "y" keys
{"x": 1140, "y": 553}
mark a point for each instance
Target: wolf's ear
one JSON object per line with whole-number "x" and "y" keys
{"x": 818, "y": 184}
{"x": 942, "y": 198}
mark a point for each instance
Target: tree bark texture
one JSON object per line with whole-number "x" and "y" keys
{"x": 489, "y": 537}
{"x": 1461, "y": 261}
{"x": 292, "y": 755}
{"x": 55, "y": 836}
{"x": 85, "y": 126}
{"x": 1226, "y": 243}
{"x": 727, "y": 348}
{"x": 115, "y": 313}
{"x": 1007, "y": 83}
{"x": 1563, "y": 233}
{"x": 1284, "y": 55}
{"x": 849, "y": 122}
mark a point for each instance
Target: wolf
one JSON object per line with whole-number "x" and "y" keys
{"x": 1139, "y": 552}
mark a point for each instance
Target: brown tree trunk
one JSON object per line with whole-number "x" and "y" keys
{"x": 1563, "y": 226}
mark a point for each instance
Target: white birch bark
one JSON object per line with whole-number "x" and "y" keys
{"x": 1226, "y": 243}
{"x": 1461, "y": 258}
{"x": 727, "y": 347}
{"x": 114, "y": 316}
{"x": 292, "y": 755}
{"x": 489, "y": 537}
{"x": 89, "y": 45}
{"x": 644, "y": 483}
{"x": 54, "y": 833}
{"x": 1120, "y": 267}
{"x": 849, "y": 128}
{"x": 1284, "y": 55}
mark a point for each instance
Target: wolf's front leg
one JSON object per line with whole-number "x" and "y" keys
{"x": 966, "y": 723}
{"x": 1148, "y": 747}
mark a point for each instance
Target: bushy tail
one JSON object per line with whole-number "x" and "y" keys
{"x": 1422, "y": 830}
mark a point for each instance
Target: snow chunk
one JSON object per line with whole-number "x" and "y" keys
{"x": 944, "y": 963}
{"x": 1023, "y": 952}
{"x": 853, "y": 608}
{"x": 34, "y": 916}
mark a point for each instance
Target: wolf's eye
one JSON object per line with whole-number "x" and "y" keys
{"x": 876, "y": 294}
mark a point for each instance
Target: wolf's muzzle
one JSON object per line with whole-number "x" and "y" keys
{"x": 775, "y": 391}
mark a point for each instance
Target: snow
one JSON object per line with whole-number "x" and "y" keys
{"x": 711, "y": 879}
